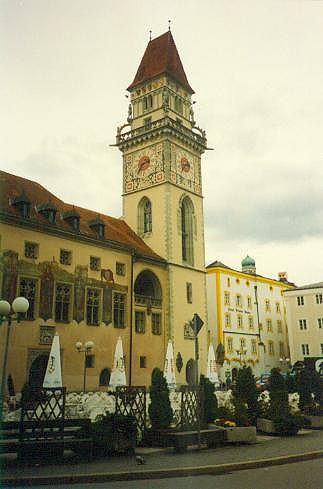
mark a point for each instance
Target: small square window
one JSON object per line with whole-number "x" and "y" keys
{"x": 65, "y": 257}
{"x": 143, "y": 362}
{"x": 31, "y": 250}
{"x": 95, "y": 263}
{"x": 120, "y": 269}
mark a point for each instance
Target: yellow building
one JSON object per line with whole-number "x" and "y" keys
{"x": 93, "y": 277}
{"x": 247, "y": 318}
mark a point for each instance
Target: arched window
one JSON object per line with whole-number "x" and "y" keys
{"x": 144, "y": 216}
{"x": 187, "y": 230}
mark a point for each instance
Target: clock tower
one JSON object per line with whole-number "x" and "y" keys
{"x": 162, "y": 190}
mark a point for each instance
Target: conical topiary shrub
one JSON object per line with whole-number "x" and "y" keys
{"x": 160, "y": 410}
{"x": 210, "y": 404}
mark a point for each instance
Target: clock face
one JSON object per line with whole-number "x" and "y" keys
{"x": 143, "y": 168}
{"x": 184, "y": 164}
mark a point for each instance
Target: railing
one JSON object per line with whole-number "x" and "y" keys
{"x": 145, "y": 300}
{"x": 160, "y": 123}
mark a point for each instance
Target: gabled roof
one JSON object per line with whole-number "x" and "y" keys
{"x": 161, "y": 57}
{"x": 117, "y": 232}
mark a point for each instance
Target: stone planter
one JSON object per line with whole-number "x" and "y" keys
{"x": 240, "y": 434}
{"x": 288, "y": 428}
{"x": 266, "y": 426}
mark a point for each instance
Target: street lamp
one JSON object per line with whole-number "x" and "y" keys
{"x": 284, "y": 364}
{"x": 86, "y": 349}
{"x": 8, "y": 314}
{"x": 241, "y": 353}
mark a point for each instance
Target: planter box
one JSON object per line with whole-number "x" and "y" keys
{"x": 316, "y": 422}
{"x": 266, "y": 426}
{"x": 240, "y": 434}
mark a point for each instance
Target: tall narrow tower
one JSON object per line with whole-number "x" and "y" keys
{"x": 162, "y": 190}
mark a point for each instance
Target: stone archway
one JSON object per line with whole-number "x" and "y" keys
{"x": 38, "y": 369}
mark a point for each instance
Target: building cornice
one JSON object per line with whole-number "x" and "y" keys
{"x": 249, "y": 276}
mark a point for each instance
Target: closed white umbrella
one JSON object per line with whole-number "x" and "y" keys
{"x": 53, "y": 375}
{"x": 169, "y": 369}
{"x": 118, "y": 374}
{"x": 211, "y": 370}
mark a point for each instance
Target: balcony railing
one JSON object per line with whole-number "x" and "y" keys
{"x": 145, "y": 300}
{"x": 161, "y": 123}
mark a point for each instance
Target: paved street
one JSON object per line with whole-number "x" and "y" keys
{"x": 303, "y": 475}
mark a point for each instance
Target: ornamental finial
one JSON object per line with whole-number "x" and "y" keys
{"x": 150, "y": 33}
{"x": 169, "y": 22}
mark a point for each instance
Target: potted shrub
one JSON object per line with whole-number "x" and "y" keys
{"x": 113, "y": 433}
{"x": 277, "y": 417}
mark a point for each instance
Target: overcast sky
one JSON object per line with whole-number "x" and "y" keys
{"x": 257, "y": 70}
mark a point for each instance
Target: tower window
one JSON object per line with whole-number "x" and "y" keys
{"x": 187, "y": 230}
{"x": 95, "y": 263}
{"x": 147, "y": 102}
{"x": 143, "y": 362}
{"x": 156, "y": 323}
{"x": 144, "y": 216}
{"x": 300, "y": 300}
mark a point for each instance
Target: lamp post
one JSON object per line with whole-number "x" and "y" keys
{"x": 242, "y": 352}
{"x": 9, "y": 313}
{"x": 284, "y": 364}
{"x": 86, "y": 349}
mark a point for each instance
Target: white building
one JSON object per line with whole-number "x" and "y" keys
{"x": 247, "y": 318}
{"x": 304, "y": 307}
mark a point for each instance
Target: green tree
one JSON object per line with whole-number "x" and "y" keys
{"x": 245, "y": 396}
{"x": 160, "y": 411}
{"x": 210, "y": 404}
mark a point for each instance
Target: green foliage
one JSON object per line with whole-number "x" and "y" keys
{"x": 245, "y": 397}
{"x": 290, "y": 425}
{"x": 31, "y": 395}
{"x": 304, "y": 388}
{"x": 108, "y": 429}
{"x": 210, "y": 405}
{"x": 276, "y": 382}
{"x": 160, "y": 410}
{"x": 291, "y": 383}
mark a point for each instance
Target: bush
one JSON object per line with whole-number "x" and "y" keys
{"x": 304, "y": 388}
{"x": 160, "y": 410}
{"x": 108, "y": 431}
{"x": 245, "y": 396}
{"x": 210, "y": 404}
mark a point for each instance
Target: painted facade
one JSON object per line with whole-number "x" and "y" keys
{"x": 247, "y": 318}
{"x": 304, "y": 306}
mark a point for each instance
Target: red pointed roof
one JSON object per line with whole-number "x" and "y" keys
{"x": 161, "y": 56}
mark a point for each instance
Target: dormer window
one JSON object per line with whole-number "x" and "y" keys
{"x": 22, "y": 203}
{"x": 97, "y": 225}
{"x": 72, "y": 217}
{"x": 48, "y": 211}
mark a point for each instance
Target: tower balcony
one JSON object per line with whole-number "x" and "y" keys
{"x": 163, "y": 126}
